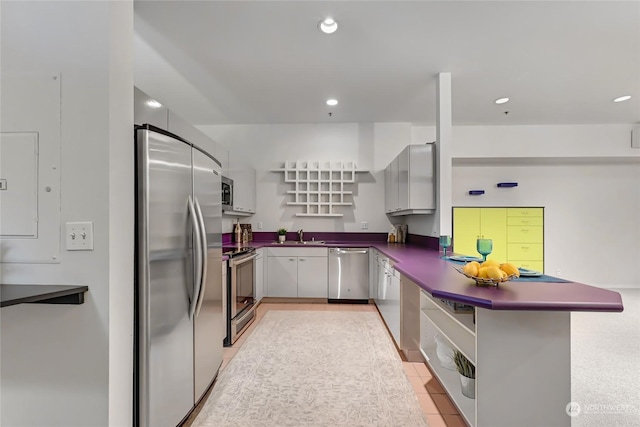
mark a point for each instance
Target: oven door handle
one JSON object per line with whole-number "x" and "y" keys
{"x": 244, "y": 316}
{"x": 197, "y": 256}
{"x": 235, "y": 263}
{"x": 204, "y": 251}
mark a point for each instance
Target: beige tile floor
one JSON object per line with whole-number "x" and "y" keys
{"x": 435, "y": 403}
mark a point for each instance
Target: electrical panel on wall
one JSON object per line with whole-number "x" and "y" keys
{"x": 320, "y": 186}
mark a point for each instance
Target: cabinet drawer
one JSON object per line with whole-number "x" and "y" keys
{"x": 525, "y": 220}
{"x": 525, "y": 251}
{"x": 528, "y": 264}
{"x": 524, "y": 234}
{"x": 529, "y": 212}
{"x": 290, "y": 251}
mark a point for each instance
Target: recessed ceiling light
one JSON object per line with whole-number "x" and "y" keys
{"x": 153, "y": 103}
{"x": 501, "y": 100}
{"x": 328, "y": 25}
{"x": 622, "y": 98}
{"x": 332, "y": 102}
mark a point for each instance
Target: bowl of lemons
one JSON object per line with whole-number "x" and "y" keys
{"x": 489, "y": 273}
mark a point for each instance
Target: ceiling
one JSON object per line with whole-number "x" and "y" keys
{"x": 231, "y": 62}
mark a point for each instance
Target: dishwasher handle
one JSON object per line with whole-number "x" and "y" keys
{"x": 348, "y": 251}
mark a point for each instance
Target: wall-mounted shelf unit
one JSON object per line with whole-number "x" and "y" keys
{"x": 320, "y": 186}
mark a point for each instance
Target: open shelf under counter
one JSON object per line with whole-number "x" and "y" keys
{"x": 457, "y": 328}
{"x": 451, "y": 382}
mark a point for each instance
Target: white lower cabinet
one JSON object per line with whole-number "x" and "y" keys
{"x": 387, "y": 296}
{"x": 522, "y": 361}
{"x": 313, "y": 277}
{"x": 282, "y": 276}
{"x": 297, "y": 273}
{"x": 259, "y": 275}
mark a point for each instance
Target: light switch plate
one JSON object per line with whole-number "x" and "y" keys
{"x": 79, "y": 236}
{"x": 364, "y": 225}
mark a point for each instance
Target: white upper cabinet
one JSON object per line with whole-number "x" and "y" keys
{"x": 410, "y": 181}
{"x": 244, "y": 186}
{"x": 391, "y": 199}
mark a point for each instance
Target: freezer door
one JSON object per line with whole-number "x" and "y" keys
{"x": 164, "y": 385}
{"x": 209, "y": 324}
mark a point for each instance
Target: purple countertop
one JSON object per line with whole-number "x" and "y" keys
{"x": 428, "y": 270}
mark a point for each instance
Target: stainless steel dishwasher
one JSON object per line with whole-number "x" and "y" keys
{"x": 349, "y": 275}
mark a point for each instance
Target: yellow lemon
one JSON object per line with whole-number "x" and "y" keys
{"x": 504, "y": 274}
{"x": 494, "y": 273}
{"x": 490, "y": 263}
{"x": 476, "y": 263}
{"x": 471, "y": 269}
{"x": 482, "y": 272}
{"x": 510, "y": 269}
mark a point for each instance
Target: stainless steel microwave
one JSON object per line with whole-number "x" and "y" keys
{"x": 227, "y": 193}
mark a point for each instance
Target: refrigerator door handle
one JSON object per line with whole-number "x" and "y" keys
{"x": 204, "y": 248}
{"x": 197, "y": 255}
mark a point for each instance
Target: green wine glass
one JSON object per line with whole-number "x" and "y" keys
{"x": 484, "y": 247}
{"x": 445, "y": 242}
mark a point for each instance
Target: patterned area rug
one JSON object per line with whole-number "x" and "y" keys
{"x": 314, "y": 368}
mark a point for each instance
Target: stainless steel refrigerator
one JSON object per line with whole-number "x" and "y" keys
{"x": 179, "y": 319}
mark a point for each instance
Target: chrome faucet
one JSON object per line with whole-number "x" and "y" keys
{"x": 300, "y": 235}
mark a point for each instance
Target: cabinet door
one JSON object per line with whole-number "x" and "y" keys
{"x": 244, "y": 190}
{"x": 466, "y": 229}
{"x": 395, "y": 185}
{"x": 390, "y": 195}
{"x": 313, "y": 277}
{"x": 380, "y": 281}
{"x": 421, "y": 176}
{"x": 525, "y": 233}
{"x": 493, "y": 225}
{"x": 526, "y": 251}
{"x": 403, "y": 179}
{"x": 259, "y": 274}
{"x": 392, "y": 312}
{"x": 282, "y": 276}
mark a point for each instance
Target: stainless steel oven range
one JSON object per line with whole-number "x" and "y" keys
{"x": 241, "y": 291}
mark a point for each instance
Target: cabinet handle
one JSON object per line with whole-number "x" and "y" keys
{"x": 300, "y": 259}
{"x": 525, "y": 230}
{"x": 292, "y": 259}
{"x": 526, "y": 248}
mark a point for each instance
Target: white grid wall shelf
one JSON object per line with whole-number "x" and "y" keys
{"x": 320, "y": 186}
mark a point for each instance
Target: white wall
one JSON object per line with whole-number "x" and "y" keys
{"x": 267, "y": 147}
{"x": 70, "y": 365}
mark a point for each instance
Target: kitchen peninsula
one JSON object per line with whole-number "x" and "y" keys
{"x": 519, "y": 337}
